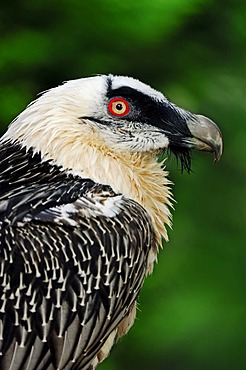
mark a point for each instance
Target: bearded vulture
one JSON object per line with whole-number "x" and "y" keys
{"x": 84, "y": 205}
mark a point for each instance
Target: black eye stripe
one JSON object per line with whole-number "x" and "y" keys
{"x": 129, "y": 93}
{"x": 150, "y": 111}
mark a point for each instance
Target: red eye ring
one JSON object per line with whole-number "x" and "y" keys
{"x": 118, "y": 107}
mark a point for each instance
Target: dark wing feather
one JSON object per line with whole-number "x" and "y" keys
{"x": 71, "y": 266}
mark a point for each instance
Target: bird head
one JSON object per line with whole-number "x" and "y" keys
{"x": 122, "y": 113}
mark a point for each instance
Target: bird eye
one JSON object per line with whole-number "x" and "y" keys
{"x": 118, "y": 107}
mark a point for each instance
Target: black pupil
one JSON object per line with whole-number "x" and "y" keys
{"x": 119, "y": 106}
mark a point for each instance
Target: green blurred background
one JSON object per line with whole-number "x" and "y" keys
{"x": 192, "y": 310}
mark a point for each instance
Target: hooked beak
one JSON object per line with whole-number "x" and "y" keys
{"x": 206, "y": 136}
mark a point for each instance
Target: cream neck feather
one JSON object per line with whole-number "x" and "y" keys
{"x": 136, "y": 175}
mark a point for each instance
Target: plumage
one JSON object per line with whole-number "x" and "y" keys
{"x": 84, "y": 205}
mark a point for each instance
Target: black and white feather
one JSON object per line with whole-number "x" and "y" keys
{"x": 72, "y": 250}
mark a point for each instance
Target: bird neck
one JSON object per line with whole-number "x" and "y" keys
{"x": 135, "y": 175}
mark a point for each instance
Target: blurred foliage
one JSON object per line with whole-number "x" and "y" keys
{"x": 192, "y": 310}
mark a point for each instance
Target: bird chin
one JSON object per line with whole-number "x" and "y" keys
{"x": 182, "y": 155}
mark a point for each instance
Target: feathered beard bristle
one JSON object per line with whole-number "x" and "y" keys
{"x": 182, "y": 155}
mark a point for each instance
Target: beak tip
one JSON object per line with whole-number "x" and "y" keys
{"x": 208, "y": 133}
{"x": 218, "y": 148}
{"x": 217, "y": 156}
